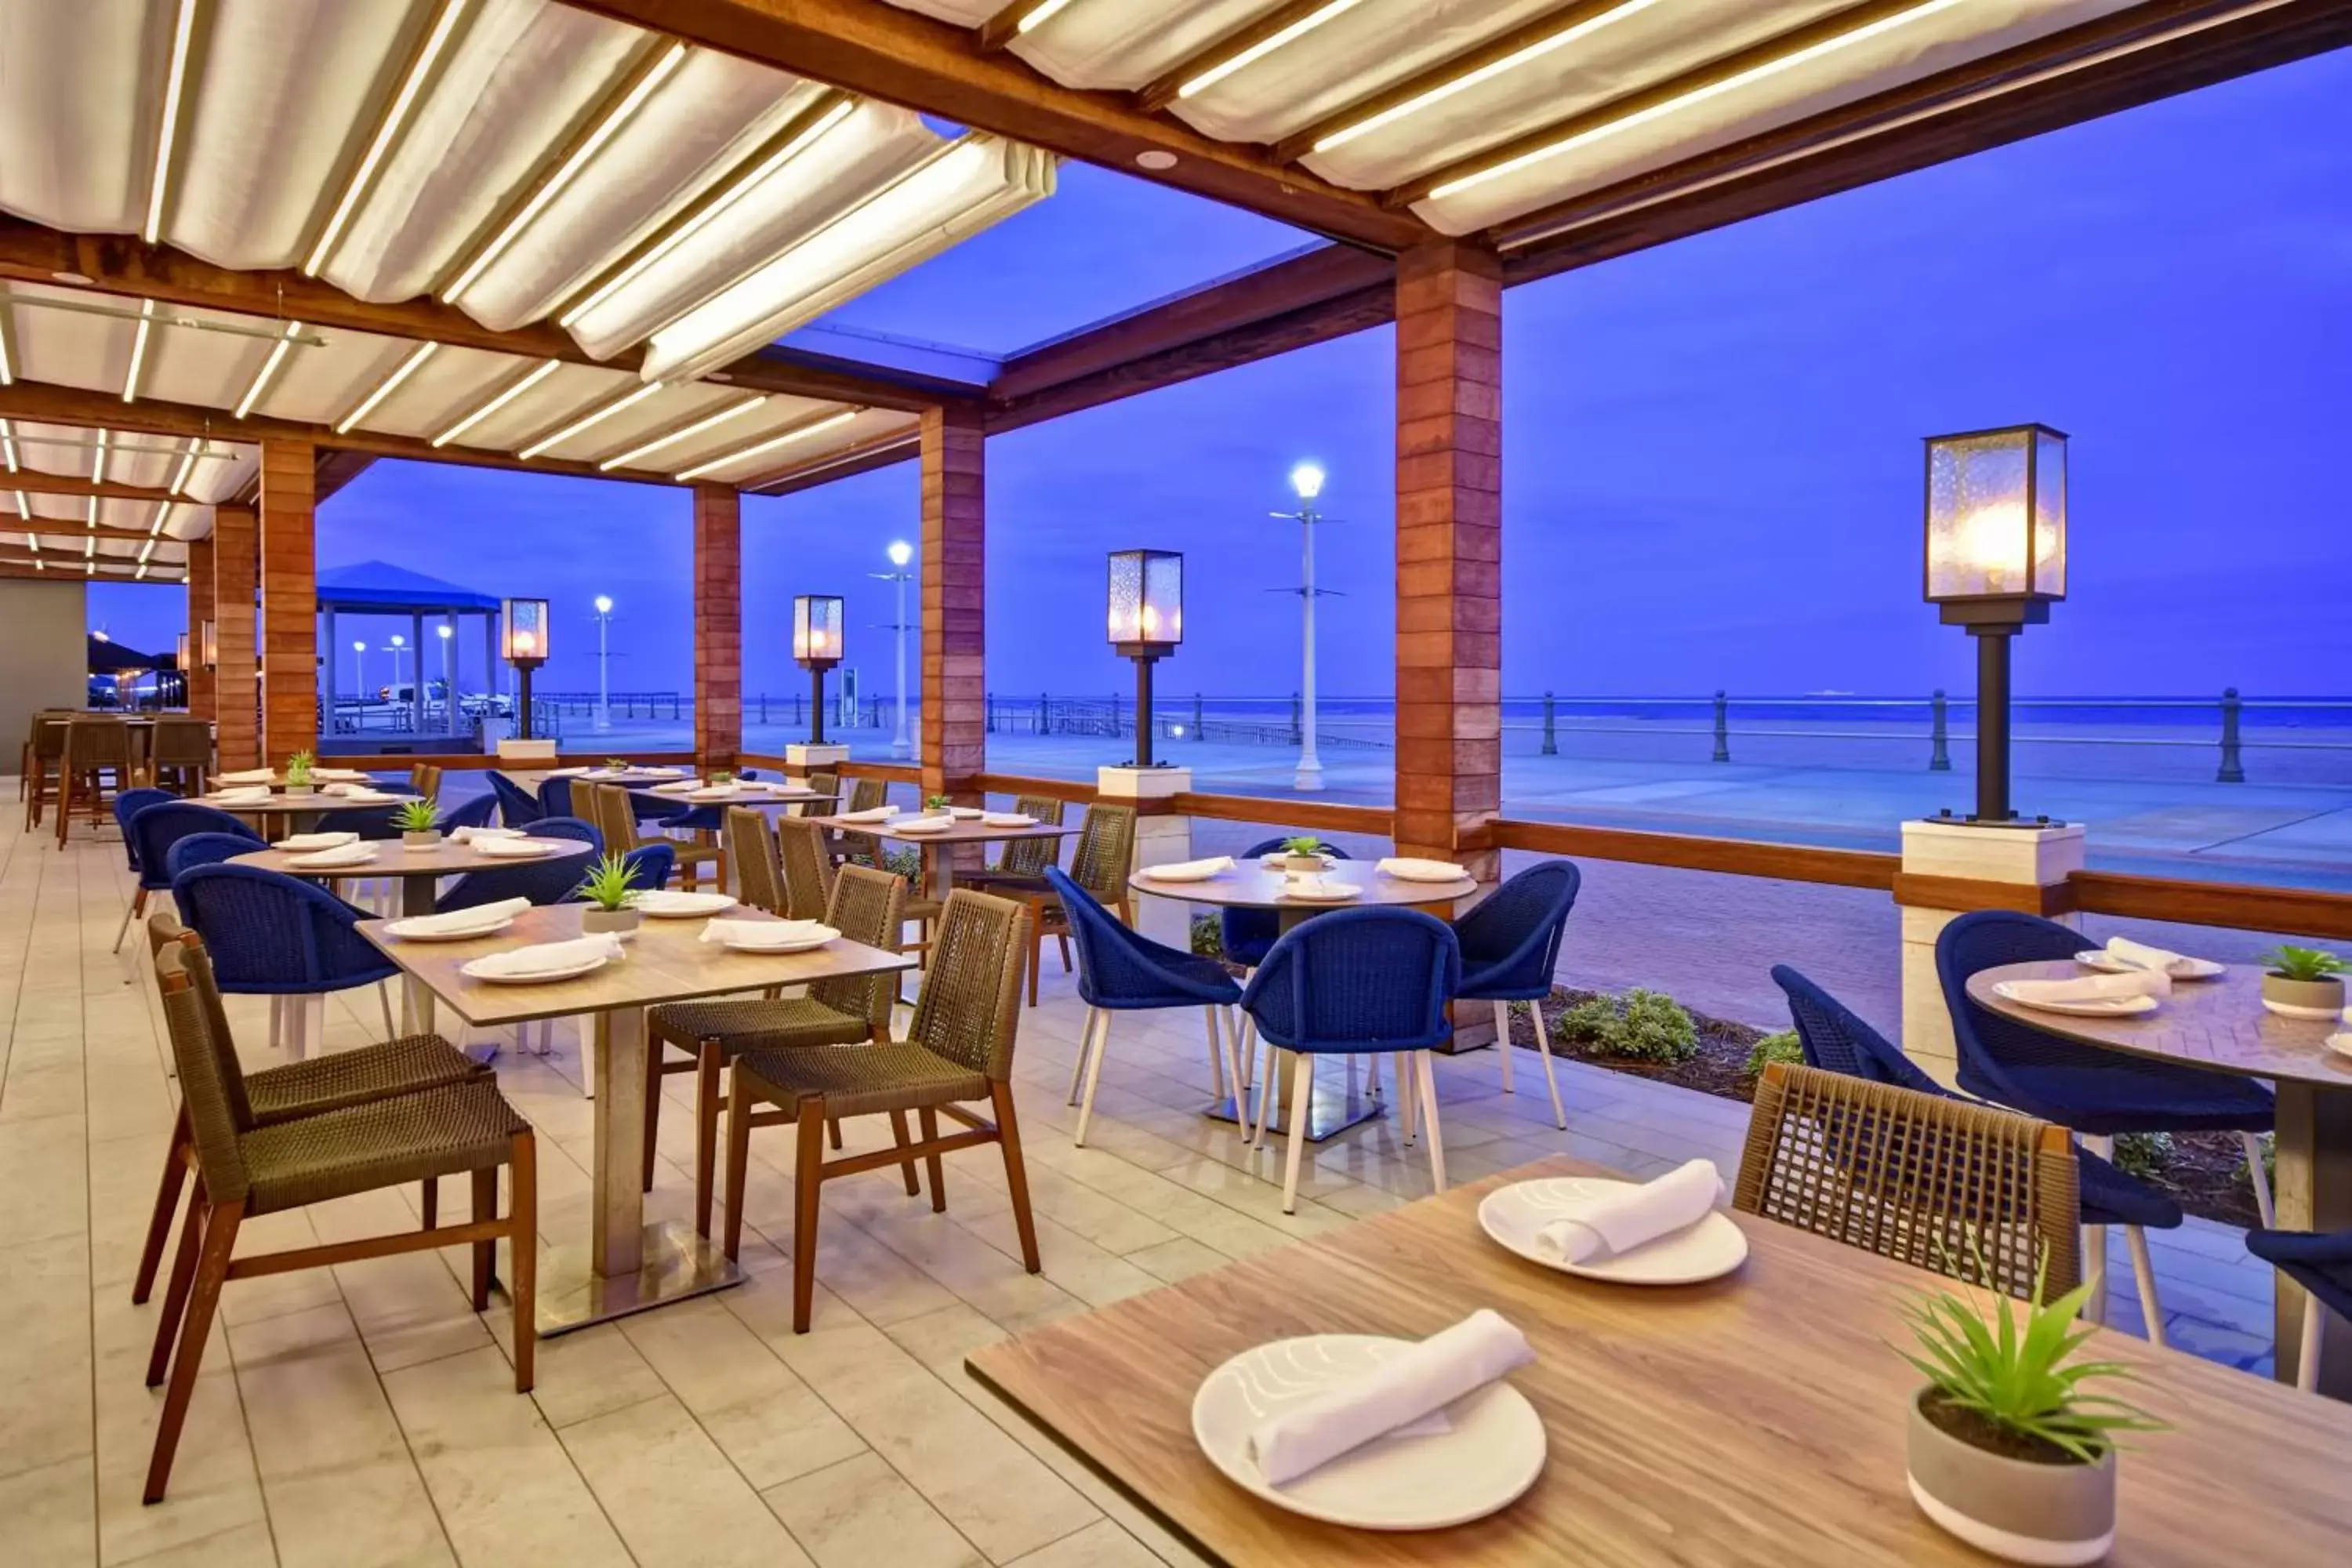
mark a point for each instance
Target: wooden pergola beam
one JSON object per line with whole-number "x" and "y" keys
{"x": 36, "y": 484}
{"x": 71, "y": 570}
{"x": 863, "y": 458}
{"x": 12, "y": 527}
{"x": 902, "y": 58}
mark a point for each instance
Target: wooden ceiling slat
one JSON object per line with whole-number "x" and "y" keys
{"x": 38, "y": 484}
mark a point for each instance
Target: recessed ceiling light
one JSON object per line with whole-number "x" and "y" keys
{"x": 1157, "y": 158}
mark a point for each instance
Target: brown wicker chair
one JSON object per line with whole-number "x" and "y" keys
{"x": 826, "y": 783}
{"x": 45, "y": 753}
{"x": 332, "y": 1082}
{"x": 425, "y": 778}
{"x": 1028, "y": 858}
{"x": 183, "y": 755}
{"x": 959, "y": 1051}
{"x": 617, "y": 819}
{"x": 1105, "y": 850}
{"x": 1962, "y": 1189}
{"x": 95, "y": 767}
{"x": 806, "y": 868}
{"x": 860, "y": 848}
{"x": 751, "y": 850}
{"x": 866, "y": 909}
{"x": 244, "y": 1169}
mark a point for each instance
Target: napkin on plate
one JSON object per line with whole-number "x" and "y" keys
{"x": 511, "y": 849}
{"x": 244, "y": 795}
{"x": 1415, "y": 1383}
{"x": 872, "y": 813}
{"x": 713, "y": 792}
{"x": 469, "y": 835}
{"x": 671, "y": 900}
{"x": 765, "y": 933}
{"x": 1007, "y": 819}
{"x": 1413, "y": 870}
{"x": 1180, "y": 870}
{"x": 361, "y": 795}
{"x": 966, "y": 813}
{"x": 2090, "y": 987}
{"x": 247, "y": 776}
{"x": 922, "y": 823}
{"x": 1318, "y": 888}
{"x": 680, "y": 787}
{"x": 352, "y": 854}
{"x": 565, "y": 773}
{"x": 310, "y": 843}
{"x": 348, "y": 775}
{"x": 662, "y": 773}
{"x": 2139, "y": 955}
{"x": 549, "y": 957}
{"x": 482, "y": 917}
{"x": 1622, "y": 1218}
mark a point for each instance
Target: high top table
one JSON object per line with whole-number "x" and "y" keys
{"x": 629, "y": 1266}
{"x": 2221, "y": 1025}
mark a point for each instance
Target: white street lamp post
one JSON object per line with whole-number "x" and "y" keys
{"x": 1307, "y": 483}
{"x": 900, "y": 553}
{"x": 603, "y": 657}
{"x": 399, "y": 647}
{"x": 359, "y": 673}
{"x": 448, "y": 634}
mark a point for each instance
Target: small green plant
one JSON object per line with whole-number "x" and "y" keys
{"x": 1648, "y": 1024}
{"x": 906, "y": 865}
{"x": 1781, "y": 1047}
{"x": 936, "y": 803}
{"x": 723, "y": 776}
{"x": 298, "y": 770}
{"x": 2291, "y": 962}
{"x": 1306, "y": 843}
{"x": 617, "y": 764}
{"x": 1208, "y": 935}
{"x": 2015, "y": 1375}
{"x": 2143, "y": 1154}
{"x": 419, "y": 816}
{"x": 609, "y": 883}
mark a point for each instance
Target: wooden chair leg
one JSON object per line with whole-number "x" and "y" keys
{"x": 833, "y": 1132}
{"x": 1062, "y": 940}
{"x": 2263, "y": 1210}
{"x": 1427, "y": 1074}
{"x": 522, "y": 1256}
{"x": 654, "y": 1052}
{"x": 739, "y": 1158}
{"x": 211, "y": 1272}
{"x": 1016, "y": 1174}
{"x": 2151, "y": 1310}
{"x": 1094, "y": 1075}
{"x": 808, "y": 1180}
{"x": 1216, "y": 1056}
{"x": 485, "y": 1207}
{"x": 708, "y": 1101}
{"x": 899, "y": 1139}
{"x": 383, "y": 1000}
{"x": 430, "y": 1201}
{"x": 1503, "y": 1043}
{"x": 167, "y": 1206}
{"x": 1086, "y": 1046}
{"x": 1036, "y": 956}
{"x": 138, "y": 906}
{"x": 1302, "y": 1101}
{"x": 929, "y": 1120}
{"x": 175, "y": 1289}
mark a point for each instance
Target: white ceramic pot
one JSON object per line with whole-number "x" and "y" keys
{"x": 2015, "y": 1509}
{"x": 618, "y": 922}
{"x": 429, "y": 839}
{"x": 1307, "y": 863}
{"x": 2320, "y": 999}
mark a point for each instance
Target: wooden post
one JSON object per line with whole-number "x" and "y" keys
{"x": 199, "y": 610}
{"x": 954, "y": 698}
{"x": 718, "y": 624}
{"x": 1449, "y": 554}
{"x": 289, "y": 599}
{"x": 237, "y": 695}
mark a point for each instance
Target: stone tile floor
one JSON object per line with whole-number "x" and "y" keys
{"x": 364, "y": 1416}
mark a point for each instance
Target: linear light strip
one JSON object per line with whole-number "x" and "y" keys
{"x": 771, "y": 443}
{"x": 743, "y": 185}
{"x": 546, "y": 369}
{"x": 98, "y": 463}
{"x": 139, "y": 350}
{"x": 164, "y": 510}
{"x": 1484, "y": 73}
{"x": 709, "y": 422}
{"x": 1263, "y": 47}
{"x": 179, "y": 485}
{"x": 390, "y": 385}
{"x": 7, "y": 322}
{"x": 8, "y": 446}
{"x": 90, "y": 513}
{"x": 145, "y": 551}
{"x": 1039, "y": 16}
{"x": 1737, "y": 79}
{"x": 278, "y": 352}
{"x": 590, "y": 419}
{"x": 394, "y": 119}
{"x": 568, "y": 170}
{"x": 184, "y": 29}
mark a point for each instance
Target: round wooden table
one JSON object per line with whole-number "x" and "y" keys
{"x": 1252, "y": 885}
{"x": 2221, "y": 1025}
{"x": 275, "y": 816}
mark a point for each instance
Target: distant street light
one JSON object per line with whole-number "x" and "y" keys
{"x": 399, "y": 645}
{"x": 603, "y": 657}
{"x": 359, "y": 672}
{"x": 1306, "y": 484}
{"x": 446, "y": 632}
{"x": 900, "y": 553}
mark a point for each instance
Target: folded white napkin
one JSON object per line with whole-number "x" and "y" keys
{"x": 2091, "y": 987}
{"x": 1007, "y": 819}
{"x": 247, "y": 775}
{"x": 549, "y": 957}
{"x": 2139, "y": 955}
{"x": 664, "y": 772}
{"x": 481, "y": 917}
{"x": 1314, "y": 886}
{"x": 565, "y": 773}
{"x": 872, "y": 813}
{"x": 922, "y": 825}
{"x": 765, "y": 933}
{"x": 1409, "y": 1385}
{"x": 482, "y": 834}
{"x": 511, "y": 849}
{"x": 351, "y": 775}
{"x": 1623, "y": 1219}
{"x": 678, "y": 788}
{"x": 1181, "y": 869}
{"x": 715, "y": 791}
{"x": 354, "y": 854}
{"x": 361, "y": 795}
{"x": 1413, "y": 870}
{"x": 966, "y": 813}
{"x": 309, "y": 843}
{"x": 670, "y": 902}
{"x": 244, "y": 795}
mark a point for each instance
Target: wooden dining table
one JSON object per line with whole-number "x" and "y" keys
{"x": 1755, "y": 1419}
{"x": 282, "y": 813}
{"x": 938, "y": 848}
{"x": 2221, "y": 1025}
{"x": 627, "y": 1265}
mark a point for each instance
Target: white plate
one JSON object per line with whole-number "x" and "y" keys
{"x": 666, "y": 905}
{"x": 337, "y": 860}
{"x": 394, "y": 930}
{"x": 804, "y": 944}
{"x": 515, "y": 848}
{"x": 966, "y": 813}
{"x": 469, "y": 970}
{"x": 919, "y": 827}
{"x": 2106, "y": 963}
{"x": 2340, "y": 1043}
{"x": 1491, "y": 1457}
{"x": 2094, "y": 1008}
{"x": 1330, "y": 893}
{"x": 1007, "y": 819}
{"x": 2289, "y": 1010}
{"x": 1448, "y": 875}
{"x": 325, "y": 841}
{"x": 1179, "y": 873}
{"x": 1707, "y": 1250}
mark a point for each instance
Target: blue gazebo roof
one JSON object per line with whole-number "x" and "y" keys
{"x": 375, "y": 587}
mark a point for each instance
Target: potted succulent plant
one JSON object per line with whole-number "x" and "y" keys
{"x": 1302, "y": 854}
{"x": 419, "y": 824}
{"x": 298, "y": 772}
{"x": 721, "y": 777}
{"x": 2006, "y": 1449}
{"x": 610, "y": 889}
{"x": 2302, "y": 981}
{"x": 938, "y": 804}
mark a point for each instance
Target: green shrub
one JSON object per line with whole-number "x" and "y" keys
{"x": 905, "y": 863}
{"x": 1594, "y": 1022}
{"x": 2143, "y": 1154}
{"x": 1780, "y": 1047}
{"x": 1647, "y": 1025}
{"x": 1208, "y": 936}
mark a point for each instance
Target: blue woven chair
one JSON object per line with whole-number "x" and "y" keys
{"x": 156, "y": 830}
{"x": 2098, "y": 1093}
{"x": 555, "y": 798}
{"x": 517, "y": 806}
{"x": 209, "y": 848}
{"x": 1510, "y": 945}
{"x": 278, "y": 936}
{"x": 1248, "y": 935}
{"x": 128, "y": 804}
{"x": 2322, "y": 1265}
{"x": 1120, "y": 971}
{"x": 1835, "y": 1039}
{"x": 1353, "y": 982}
{"x": 474, "y": 812}
{"x": 540, "y": 881}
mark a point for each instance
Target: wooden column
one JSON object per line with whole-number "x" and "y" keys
{"x": 199, "y": 610}
{"x": 955, "y": 517}
{"x": 718, "y": 624}
{"x": 1449, "y": 554}
{"x": 289, "y": 599}
{"x": 235, "y": 537}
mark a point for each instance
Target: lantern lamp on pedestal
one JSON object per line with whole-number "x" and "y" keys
{"x": 1146, "y": 623}
{"x": 817, "y": 647}
{"x": 523, "y": 643}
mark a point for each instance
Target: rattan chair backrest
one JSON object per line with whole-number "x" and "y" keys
{"x": 866, "y": 794}
{"x": 866, "y": 906}
{"x": 212, "y": 1084}
{"x": 49, "y": 736}
{"x": 183, "y": 742}
{"x": 752, "y": 849}
{"x": 1030, "y": 857}
{"x": 971, "y": 999}
{"x": 1106, "y": 844}
{"x": 806, "y": 868}
{"x": 1963, "y": 1189}
{"x": 425, "y": 778}
{"x": 97, "y": 743}
{"x": 614, "y": 816}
